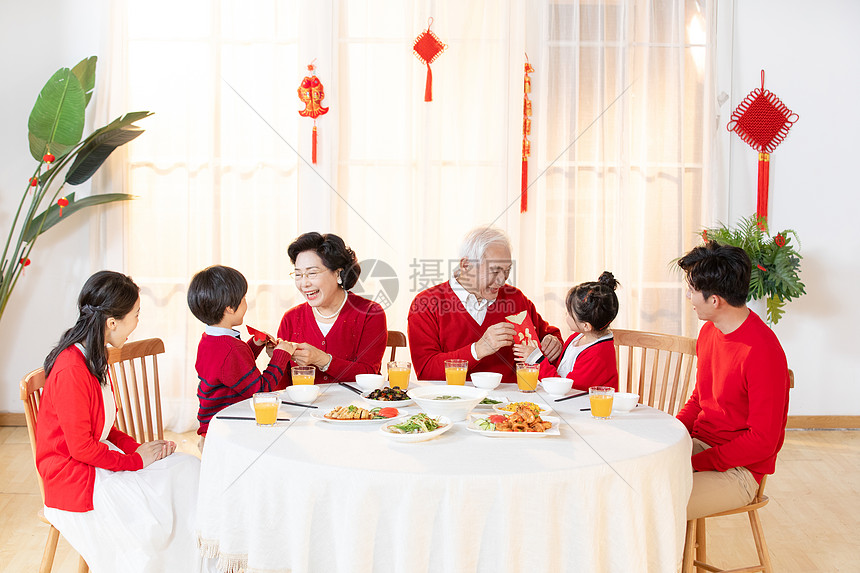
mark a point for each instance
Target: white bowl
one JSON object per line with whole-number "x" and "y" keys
{"x": 303, "y": 393}
{"x": 486, "y": 380}
{"x": 455, "y": 410}
{"x": 624, "y": 401}
{"x": 369, "y": 382}
{"x": 556, "y": 386}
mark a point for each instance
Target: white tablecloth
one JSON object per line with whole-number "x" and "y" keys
{"x": 308, "y": 495}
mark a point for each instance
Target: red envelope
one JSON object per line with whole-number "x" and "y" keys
{"x": 524, "y": 327}
{"x": 260, "y": 336}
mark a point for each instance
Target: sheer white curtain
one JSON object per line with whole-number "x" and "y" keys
{"x": 402, "y": 179}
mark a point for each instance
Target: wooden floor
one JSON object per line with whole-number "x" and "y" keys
{"x": 811, "y": 523}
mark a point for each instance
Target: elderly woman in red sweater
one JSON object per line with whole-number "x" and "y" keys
{"x": 339, "y": 332}
{"x": 123, "y": 506}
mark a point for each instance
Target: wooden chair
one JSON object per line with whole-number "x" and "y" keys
{"x": 136, "y": 388}
{"x": 396, "y": 339}
{"x": 696, "y": 538}
{"x": 31, "y": 395}
{"x": 658, "y": 367}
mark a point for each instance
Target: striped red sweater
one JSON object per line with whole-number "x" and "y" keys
{"x": 228, "y": 374}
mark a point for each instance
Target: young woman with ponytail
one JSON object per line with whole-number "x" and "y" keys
{"x": 123, "y": 506}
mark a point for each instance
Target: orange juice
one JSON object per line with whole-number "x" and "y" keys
{"x": 455, "y": 376}
{"x": 266, "y": 413}
{"x": 601, "y": 405}
{"x": 399, "y": 377}
{"x": 527, "y": 378}
{"x": 303, "y": 379}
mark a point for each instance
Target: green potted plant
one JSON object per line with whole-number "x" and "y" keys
{"x": 775, "y": 273}
{"x": 55, "y": 128}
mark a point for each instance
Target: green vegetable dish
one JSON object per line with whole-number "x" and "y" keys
{"x": 447, "y": 397}
{"x": 489, "y": 401}
{"x": 417, "y": 424}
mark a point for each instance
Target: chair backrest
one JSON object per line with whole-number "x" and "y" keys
{"x": 136, "y": 388}
{"x": 31, "y": 395}
{"x": 658, "y": 367}
{"x": 396, "y": 339}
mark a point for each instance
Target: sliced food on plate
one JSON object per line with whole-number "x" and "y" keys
{"x": 358, "y": 413}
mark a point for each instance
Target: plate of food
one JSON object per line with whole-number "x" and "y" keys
{"x": 417, "y": 428}
{"x": 511, "y": 407}
{"x": 523, "y": 423}
{"x": 393, "y": 397}
{"x": 491, "y": 402}
{"x": 356, "y": 415}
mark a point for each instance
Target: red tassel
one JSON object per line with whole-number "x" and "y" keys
{"x": 763, "y": 183}
{"x": 524, "y": 193}
{"x": 314, "y": 147}
{"x": 428, "y": 86}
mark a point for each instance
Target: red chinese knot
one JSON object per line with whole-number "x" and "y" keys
{"x": 311, "y": 92}
{"x": 427, "y": 47}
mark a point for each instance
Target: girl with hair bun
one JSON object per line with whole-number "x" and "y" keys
{"x": 588, "y": 357}
{"x": 339, "y": 332}
{"x": 123, "y": 506}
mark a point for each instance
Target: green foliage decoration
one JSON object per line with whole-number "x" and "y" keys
{"x": 775, "y": 273}
{"x": 55, "y": 128}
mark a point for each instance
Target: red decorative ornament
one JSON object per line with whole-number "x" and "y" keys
{"x": 48, "y": 158}
{"x": 761, "y": 268}
{"x": 62, "y": 202}
{"x": 762, "y": 121}
{"x": 527, "y": 130}
{"x": 33, "y": 181}
{"x": 311, "y": 92}
{"x": 427, "y": 47}
{"x": 779, "y": 240}
{"x": 705, "y": 235}
{"x": 25, "y": 262}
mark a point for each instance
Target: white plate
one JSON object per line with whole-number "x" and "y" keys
{"x": 502, "y": 399}
{"x": 553, "y": 430}
{"x": 543, "y": 408}
{"x": 416, "y": 437}
{"x": 386, "y": 403}
{"x": 321, "y": 417}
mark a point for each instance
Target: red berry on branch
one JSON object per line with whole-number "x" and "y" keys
{"x": 48, "y": 158}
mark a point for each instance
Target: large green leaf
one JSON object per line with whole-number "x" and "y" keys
{"x": 93, "y": 153}
{"x": 85, "y": 71}
{"x": 52, "y": 215}
{"x": 57, "y": 116}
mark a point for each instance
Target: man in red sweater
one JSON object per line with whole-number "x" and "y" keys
{"x": 464, "y": 318}
{"x": 738, "y": 410}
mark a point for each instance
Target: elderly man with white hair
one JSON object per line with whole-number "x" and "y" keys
{"x": 464, "y": 318}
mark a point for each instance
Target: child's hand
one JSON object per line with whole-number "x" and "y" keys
{"x": 551, "y": 347}
{"x": 523, "y": 351}
{"x": 285, "y": 345}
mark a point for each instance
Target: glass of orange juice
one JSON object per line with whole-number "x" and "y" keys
{"x": 398, "y": 374}
{"x": 527, "y": 376}
{"x": 303, "y": 374}
{"x": 601, "y": 401}
{"x": 455, "y": 372}
{"x": 266, "y": 408}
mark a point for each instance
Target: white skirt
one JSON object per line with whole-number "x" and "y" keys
{"x": 142, "y": 521}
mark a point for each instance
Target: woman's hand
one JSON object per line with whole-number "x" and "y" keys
{"x": 155, "y": 450}
{"x": 308, "y": 355}
{"x": 284, "y": 345}
{"x": 523, "y": 351}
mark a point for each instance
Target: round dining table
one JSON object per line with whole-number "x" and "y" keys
{"x": 311, "y": 495}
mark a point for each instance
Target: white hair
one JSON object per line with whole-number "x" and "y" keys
{"x": 478, "y": 240}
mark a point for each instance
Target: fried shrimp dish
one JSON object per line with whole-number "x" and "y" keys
{"x": 523, "y": 420}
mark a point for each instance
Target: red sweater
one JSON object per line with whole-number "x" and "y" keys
{"x": 440, "y": 328}
{"x": 356, "y": 340}
{"x": 68, "y": 450}
{"x": 740, "y": 403}
{"x": 228, "y": 373}
{"x": 594, "y": 366}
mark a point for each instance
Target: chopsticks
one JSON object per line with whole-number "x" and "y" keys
{"x": 288, "y": 403}
{"x": 353, "y": 388}
{"x": 570, "y": 397}
{"x": 246, "y": 418}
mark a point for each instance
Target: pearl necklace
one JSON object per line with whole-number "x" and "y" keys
{"x": 337, "y": 312}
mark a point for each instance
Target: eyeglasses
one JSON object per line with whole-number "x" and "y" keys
{"x": 310, "y": 275}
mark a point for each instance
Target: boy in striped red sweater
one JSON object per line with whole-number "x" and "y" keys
{"x": 226, "y": 366}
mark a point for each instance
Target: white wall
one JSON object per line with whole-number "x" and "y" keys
{"x": 36, "y": 39}
{"x": 809, "y": 51}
